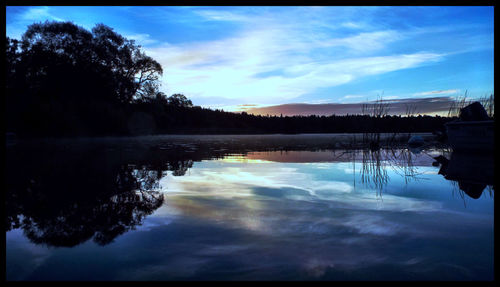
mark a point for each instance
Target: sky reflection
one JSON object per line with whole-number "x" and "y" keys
{"x": 251, "y": 218}
{"x": 295, "y": 203}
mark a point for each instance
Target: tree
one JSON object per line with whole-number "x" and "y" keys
{"x": 11, "y": 60}
{"x": 146, "y": 73}
{"x": 148, "y": 91}
{"x": 12, "y": 55}
{"x": 180, "y": 100}
{"x": 62, "y": 76}
{"x": 128, "y": 61}
{"x": 160, "y": 96}
{"x": 101, "y": 55}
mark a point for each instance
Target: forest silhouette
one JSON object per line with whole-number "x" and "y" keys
{"x": 66, "y": 81}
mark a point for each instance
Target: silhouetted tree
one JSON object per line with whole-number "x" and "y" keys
{"x": 63, "y": 78}
{"x": 179, "y": 100}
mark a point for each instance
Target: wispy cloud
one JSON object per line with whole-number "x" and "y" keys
{"x": 352, "y": 25}
{"x": 352, "y": 96}
{"x": 441, "y": 92}
{"x": 223, "y": 15}
{"x": 228, "y": 67}
{"x": 294, "y": 59}
{"x": 39, "y": 13}
{"x": 30, "y": 15}
{"x": 364, "y": 42}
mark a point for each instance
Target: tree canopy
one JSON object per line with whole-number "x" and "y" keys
{"x": 59, "y": 69}
{"x": 114, "y": 67}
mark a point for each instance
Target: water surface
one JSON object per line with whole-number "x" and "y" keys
{"x": 243, "y": 208}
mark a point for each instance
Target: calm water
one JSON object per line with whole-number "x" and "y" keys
{"x": 245, "y": 208}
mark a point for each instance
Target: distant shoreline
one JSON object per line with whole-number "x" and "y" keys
{"x": 222, "y": 143}
{"x": 218, "y": 135}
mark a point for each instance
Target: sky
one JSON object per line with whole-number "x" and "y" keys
{"x": 259, "y": 59}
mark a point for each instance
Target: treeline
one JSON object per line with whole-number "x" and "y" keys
{"x": 197, "y": 120}
{"x": 63, "y": 80}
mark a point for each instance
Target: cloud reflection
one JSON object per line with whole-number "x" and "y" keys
{"x": 276, "y": 198}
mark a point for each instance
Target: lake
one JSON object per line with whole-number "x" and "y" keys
{"x": 255, "y": 207}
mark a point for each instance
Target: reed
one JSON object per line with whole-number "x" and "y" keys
{"x": 377, "y": 110}
{"x": 488, "y": 102}
{"x": 374, "y": 170}
{"x": 459, "y": 103}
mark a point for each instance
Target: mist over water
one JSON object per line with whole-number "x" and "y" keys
{"x": 301, "y": 207}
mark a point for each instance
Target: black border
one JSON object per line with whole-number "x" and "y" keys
{"x": 249, "y": 3}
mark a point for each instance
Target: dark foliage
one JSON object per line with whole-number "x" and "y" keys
{"x": 65, "y": 80}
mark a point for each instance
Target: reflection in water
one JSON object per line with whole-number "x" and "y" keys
{"x": 77, "y": 202}
{"x": 338, "y": 230}
{"x": 64, "y": 199}
{"x": 472, "y": 172}
{"x": 374, "y": 165}
{"x": 243, "y": 215}
{"x": 374, "y": 170}
{"x": 402, "y": 162}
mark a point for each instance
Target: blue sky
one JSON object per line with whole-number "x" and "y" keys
{"x": 223, "y": 57}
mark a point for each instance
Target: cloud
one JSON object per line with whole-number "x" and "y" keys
{"x": 352, "y": 25}
{"x": 37, "y": 14}
{"x": 366, "y": 41}
{"x": 434, "y": 105}
{"x": 273, "y": 59}
{"x": 352, "y": 96}
{"x": 17, "y": 26}
{"x": 230, "y": 67}
{"x": 349, "y": 98}
{"x": 215, "y": 15}
{"x": 441, "y": 92}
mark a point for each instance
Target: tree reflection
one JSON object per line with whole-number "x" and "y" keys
{"x": 179, "y": 168}
{"x": 65, "y": 199}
